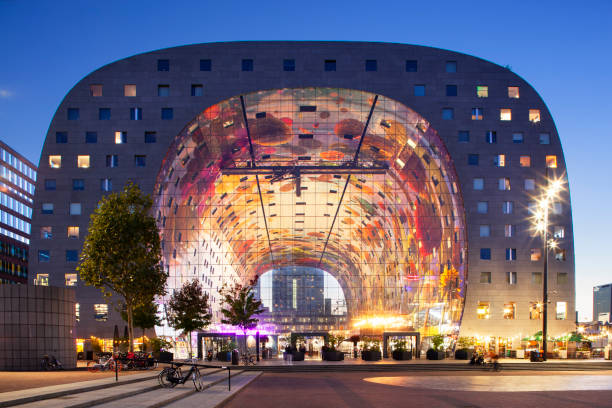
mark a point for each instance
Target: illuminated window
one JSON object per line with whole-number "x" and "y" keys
{"x": 535, "y": 310}
{"x": 42, "y": 279}
{"x": 534, "y": 115}
{"x": 419, "y": 90}
{"x": 73, "y": 232}
{"x": 448, "y": 113}
{"x": 551, "y": 161}
{"x": 510, "y": 254}
{"x": 463, "y": 136}
{"x": 71, "y": 279}
{"x": 477, "y": 114}
{"x": 95, "y": 90}
{"x": 104, "y": 114}
{"x": 112, "y": 160}
{"x": 120, "y": 137}
{"x": 77, "y": 312}
{"x": 46, "y": 232}
{"x": 511, "y": 278}
{"x": 517, "y": 138}
{"x": 247, "y": 64}
{"x": 508, "y": 230}
{"x": 163, "y": 90}
{"x": 101, "y": 312}
{"x": 525, "y": 161}
{"x": 485, "y": 277}
{"x": 561, "y": 310}
{"x": 557, "y": 208}
{"x": 135, "y": 113}
{"x": 510, "y": 311}
{"x": 500, "y": 160}
{"x": 562, "y": 278}
{"x": 451, "y": 66}
{"x": 507, "y": 207}
{"x": 529, "y": 184}
{"x": 106, "y": 184}
{"x": 485, "y": 230}
{"x": 558, "y": 232}
{"x": 473, "y": 159}
{"x": 73, "y": 114}
{"x": 560, "y": 254}
{"x": 482, "y": 91}
{"x": 83, "y": 161}
{"x": 544, "y": 138}
{"x": 491, "y": 137}
{"x": 483, "y": 310}
{"x": 55, "y": 161}
{"x": 478, "y": 183}
{"x": 485, "y": 254}
{"x": 129, "y": 90}
{"x": 504, "y": 184}
{"x": 75, "y": 208}
{"x": 482, "y": 207}
{"x": 513, "y": 92}
{"x": 43, "y": 255}
{"x": 197, "y": 90}
{"x": 411, "y": 66}
{"x": 451, "y": 90}
{"x": 505, "y": 114}
{"x": 47, "y": 208}
{"x": 205, "y": 65}
{"x": 535, "y": 254}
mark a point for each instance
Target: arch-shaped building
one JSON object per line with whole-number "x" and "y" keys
{"x": 406, "y": 172}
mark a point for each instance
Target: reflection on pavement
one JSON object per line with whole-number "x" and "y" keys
{"x": 506, "y": 383}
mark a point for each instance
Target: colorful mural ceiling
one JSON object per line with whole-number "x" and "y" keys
{"x": 394, "y": 239}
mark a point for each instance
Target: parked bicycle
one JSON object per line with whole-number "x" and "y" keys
{"x": 136, "y": 360}
{"x": 50, "y": 363}
{"x": 247, "y": 359}
{"x": 106, "y": 362}
{"x": 171, "y": 376}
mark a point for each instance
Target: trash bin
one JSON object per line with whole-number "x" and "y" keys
{"x": 235, "y": 357}
{"x": 535, "y": 356}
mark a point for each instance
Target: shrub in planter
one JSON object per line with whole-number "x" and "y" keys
{"x": 224, "y": 356}
{"x": 463, "y": 354}
{"x": 332, "y": 355}
{"x": 371, "y": 355}
{"x": 401, "y": 355}
{"x": 435, "y": 354}
{"x": 298, "y": 355}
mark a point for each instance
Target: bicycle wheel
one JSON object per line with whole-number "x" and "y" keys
{"x": 93, "y": 367}
{"x": 197, "y": 379}
{"x": 112, "y": 364}
{"x": 166, "y": 377}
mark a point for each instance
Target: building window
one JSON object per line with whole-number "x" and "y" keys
{"x": 535, "y": 254}
{"x": 73, "y": 114}
{"x": 77, "y": 312}
{"x": 507, "y": 207}
{"x": 517, "y": 138}
{"x": 513, "y": 92}
{"x": 560, "y": 254}
{"x": 43, "y": 255}
{"x": 112, "y": 160}
{"x": 473, "y": 159}
{"x": 83, "y": 161}
{"x": 75, "y": 208}
{"x": 72, "y": 255}
{"x": 288, "y": 65}
{"x": 448, "y": 113}
{"x": 562, "y": 278}
{"x": 451, "y": 90}
{"x": 532, "y": 207}
{"x": 483, "y": 310}
{"x": 101, "y": 312}
{"x": 561, "y": 310}
{"x": 197, "y": 90}
{"x": 129, "y": 90}
{"x": 50, "y": 184}
{"x": 55, "y": 161}
{"x": 167, "y": 113}
{"x": 504, "y": 184}
{"x": 120, "y": 137}
{"x": 525, "y": 161}
{"x": 247, "y": 64}
{"x": 91, "y": 137}
{"x": 47, "y": 208}
{"x": 510, "y": 254}
{"x": 451, "y": 66}
{"x": 95, "y": 90}
{"x": 477, "y": 114}
{"x": 411, "y": 66}
{"x": 485, "y": 254}
{"x": 463, "y": 136}
{"x": 491, "y": 137}
{"x": 104, "y": 114}
{"x": 534, "y": 115}
{"x": 419, "y": 90}
{"x": 42, "y": 279}
{"x": 163, "y": 65}
{"x": 485, "y": 230}
{"x": 544, "y": 138}
{"x": 482, "y": 207}
{"x": 61, "y": 137}
{"x": 140, "y": 160}
{"x": 478, "y": 183}
{"x": 150, "y": 137}
{"x": 485, "y": 277}
{"x": 46, "y": 232}
{"x": 135, "y": 113}
{"x": 551, "y": 161}
{"x": 529, "y": 184}
{"x": 371, "y": 65}
{"x": 163, "y": 90}
{"x": 511, "y": 278}
{"x": 482, "y": 91}
{"x": 71, "y": 279}
{"x": 535, "y": 310}
{"x": 558, "y": 232}
{"x": 330, "y": 65}
{"x": 510, "y": 311}
{"x": 205, "y": 65}
{"x": 499, "y": 160}
{"x": 557, "y": 208}
{"x": 78, "y": 184}
{"x": 73, "y": 232}
{"x": 106, "y": 184}
{"x": 505, "y": 114}
{"x": 508, "y": 230}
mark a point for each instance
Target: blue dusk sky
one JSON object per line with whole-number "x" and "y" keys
{"x": 561, "y": 48}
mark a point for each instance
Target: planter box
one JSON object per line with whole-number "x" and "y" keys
{"x": 224, "y": 356}
{"x": 163, "y": 356}
{"x": 463, "y": 354}
{"x": 332, "y": 355}
{"x": 401, "y": 355}
{"x": 435, "y": 355}
{"x": 297, "y": 356}
{"x": 371, "y": 355}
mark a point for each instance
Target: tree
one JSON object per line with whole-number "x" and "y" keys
{"x": 145, "y": 317}
{"x": 122, "y": 252}
{"x": 188, "y": 309}
{"x": 240, "y": 306}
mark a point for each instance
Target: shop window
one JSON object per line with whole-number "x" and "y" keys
{"x": 558, "y": 232}
{"x": 371, "y": 65}
{"x": 560, "y": 254}
{"x": 509, "y": 230}
{"x": 511, "y": 278}
{"x": 163, "y": 65}
{"x": 485, "y": 254}
{"x": 91, "y": 137}
{"x": 525, "y": 161}
{"x": 163, "y": 90}
{"x": 75, "y": 208}
{"x": 71, "y": 279}
{"x": 562, "y": 278}
{"x": 477, "y": 114}
{"x": 535, "y": 310}
{"x": 510, "y": 254}
{"x": 473, "y": 159}
{"x": 482, "y": 91}
{"x": 451, "y": 90}
{"x": 507, "y": 207}
{"x": 42, "y": 279}
{"x": 78, "y": 184}
{"x": 500, "y": 160}
{"x": 483, "y": 310}
{"x": 150, "y": 137}
{"x": 518, "y": 138}
{"x": 482, "y": 207}
{"x": 561, "y": 310}
{"x": 485, "y": 277}
{"x": 535, "y": 254}
{"x": 478, "y": 183}
{"x": 463, "y": 136}
{"x": 510, "y": 311}
{"x": 534, "y": 115}
{"x": 55, "y": 161}
{"x": 205, "y": 65}
{"x": 167, "y": 113}
{"x": 101, "y": 312}
{"x": 73, "y": 232}
{"x": 448, "y": 113}
{"x": 112, "y": 160}
{"x": 43, "y": 255}
{"x": 485, "y": 230}
{"x": 129, "y": 90}
{"x": 247, "y": 64}
{"x": 544, "y": 138}
{"x": 83, "y": 161}
{"x": 505, "y": 114}
{"x": 411, "y": 66}
{"x": 551, "y": 161}
{"x": 104, "y": 114}
{"x": 47, "y": 208}
{"x": 72, "y": 255}
{"x": 513, "y": 92}
{"x": 288, "y": 65}
{"x": 135, "y": 113}
{"x": 46, "y": 232}
{"x": 491, "y": 137}
{"x": 504, "y": 184}
{"x": 106, "y": 184}
{"x": 61, "y": 137}
{"x": 419, "y": 90}
{"x": 73, "y": 114}
{"x": 529, "y": 184}
{"x": 451, "y": 66}
{"x": 95, "y": 90}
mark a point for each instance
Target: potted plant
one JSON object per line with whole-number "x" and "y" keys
{"x": 400, "y": 352}
{"x": 437, "y": 351}
{"x": 464, "y": 348}
{"x": 330, "y": 353}
{"x": 371, "y": 350}
{"x": 225, "y": 354}
{"x": 159, "y": 347}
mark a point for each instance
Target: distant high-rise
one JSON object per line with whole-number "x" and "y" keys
{"x": 602, "y": 303}
{"x": 17, "y": 180}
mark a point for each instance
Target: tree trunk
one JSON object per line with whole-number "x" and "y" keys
{"x": 130, "y": 316}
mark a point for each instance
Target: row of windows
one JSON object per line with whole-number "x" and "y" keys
{"x": 84, "y": 162}
{"x": 505, "y": 114}
{"x": 105, "y": 113}
{"x": 501, "y": 160}
{"x": 15, "y": 205}
{"x": 510, "y": 230}
{"x": 16, "y": 179}
{"x": 534, "y": 255}
{"x": 15, "y": 236}
{"x": 47, "y": 232}
{"x": 18, "y": 164}
{"x": 14, "y": 222}
{"x": 74, "y": 208}
{"x": 490, "y": 137}
{"x": 92, "y": 137}
{"x": 9, "y": 187}
{"x": 509, "y": 311}
{"x": 536, "y": 278}
{"x": 72, "y": 255}
{"x": 14, "y": 251}
{"x": 481, "y": 91}
{"x": 13, "y": 269}
{"x": 503, "y": 183}
{"x": 482, "y": 207}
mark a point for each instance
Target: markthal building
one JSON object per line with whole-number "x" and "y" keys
{"x": 372, "y": 189}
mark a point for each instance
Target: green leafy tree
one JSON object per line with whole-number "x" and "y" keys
{"x": 145, "y": 317}
{"x": 240, "y": 306}
{"x": 188, "y": 309}
{"x": 122, "y": 253}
